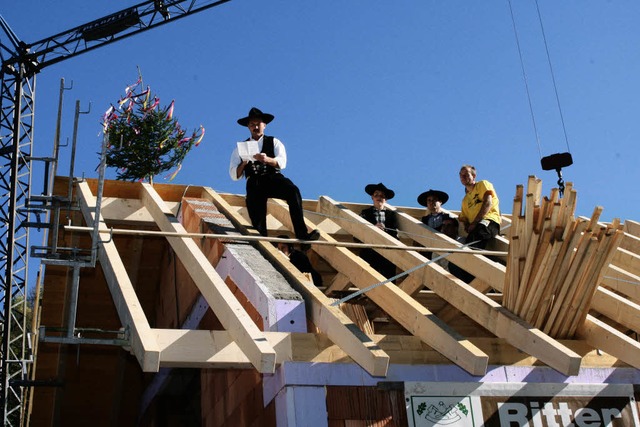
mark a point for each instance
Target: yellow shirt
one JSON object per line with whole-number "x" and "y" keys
{"x": 472, "y": 203}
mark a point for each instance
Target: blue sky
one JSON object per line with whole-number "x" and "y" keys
{"x": 401, "y": 92}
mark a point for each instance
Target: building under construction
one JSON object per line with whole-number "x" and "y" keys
{"x": 161, "y": 306}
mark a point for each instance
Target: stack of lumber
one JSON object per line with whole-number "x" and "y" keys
{"x": 555, "y": 261}
{"x": 358, "y": 315}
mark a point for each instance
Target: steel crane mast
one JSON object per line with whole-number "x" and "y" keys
{"x": 20, "y": 62}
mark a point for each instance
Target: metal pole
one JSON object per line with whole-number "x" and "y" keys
{"x": 73, "y": 148}
{"x": 240, "y": 237}
{"x": 73, "y": 301}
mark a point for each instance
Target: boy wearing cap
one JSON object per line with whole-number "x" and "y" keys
{"x": 264, "y": 179}
{"x": 386, "y": 220}
{"x": 433, "y": 201}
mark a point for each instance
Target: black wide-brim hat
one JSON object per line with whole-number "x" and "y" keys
{"x": 255, "y": 113}
{"x": 371, "y": 188}
{"x": 440, "y": 195}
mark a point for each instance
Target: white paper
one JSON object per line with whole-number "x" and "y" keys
{"x": 247, "y": 149}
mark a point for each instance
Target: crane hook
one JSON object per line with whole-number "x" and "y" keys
{"x": 557, "y": 161}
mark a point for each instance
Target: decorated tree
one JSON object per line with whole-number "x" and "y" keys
{"x": 145, "y": 139}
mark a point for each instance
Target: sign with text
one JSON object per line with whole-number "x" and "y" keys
{"x": 520, "y": 405}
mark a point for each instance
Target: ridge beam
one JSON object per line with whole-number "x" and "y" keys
{"x": 231, "y": 314}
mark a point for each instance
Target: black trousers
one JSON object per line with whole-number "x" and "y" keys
{"x": 378, "y": 262}
{"x": 262, "y": 187}
{"x": 483, "y": 234}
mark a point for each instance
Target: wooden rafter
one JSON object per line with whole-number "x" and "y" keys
{"x": 622, "y": 281}
{"x": 143, "y": 343}
{"x": 226, "y": 307}
{"x": 330, "y": 320}
{"x": 474, "y": 304}
{"x": 632, "y": 227}
{"x": 627, "y": 260}
{"x": 617, "y": 308}
{"x": 481, "y": 267}
{"x": 405, "y": 310}
{"x": 600, "y": 335}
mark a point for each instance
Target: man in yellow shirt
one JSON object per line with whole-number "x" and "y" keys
{"x": 480, "y": 211}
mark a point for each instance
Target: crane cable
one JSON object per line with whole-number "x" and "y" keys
{"x": 555, "y": 161}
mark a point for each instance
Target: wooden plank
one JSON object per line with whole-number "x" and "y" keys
{"x": 595, "y": 216}
{"x": 143, "y": 343}
{"x": 512, "y": 273}
{"x": 404, "y": 309}
{"x": 540, "y": 305}
{"x": 477, "y": 306}
{"x": 170, "y": 193}
{"x": 600, "y": 335}
{"x": 449, "y": 312}
{"x": 531, "y": 260}
{"x": 478, "y": 265}
{"x": 604, "y": 254}
{"x": 534, "y": 188}
{"x": 529, "y": 207}
{"x": 185, "y": 348}
{"x": 328, "y": 319}
{"x": 632, "y": 227}
{"x": 560, "y": 267}
{"x": 556, "y": 321}
{"x": 216, "y": 349}
{"x": 569, "y": 267}
{"x": 622, "y": 281}
{"x": 541, "y": 280}
{"x": 340, "y": 282}
{"x": 627, "y": 260}
{"x": 221, "y": 300}
{"x": 617, "y": 308}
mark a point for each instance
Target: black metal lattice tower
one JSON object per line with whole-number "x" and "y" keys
{"x": 20, "y": 62}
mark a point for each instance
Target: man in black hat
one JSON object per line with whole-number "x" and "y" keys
{"x": 383, "y": 218}
{"x": 433, "y": 201}
{"x": 264, "y": 179}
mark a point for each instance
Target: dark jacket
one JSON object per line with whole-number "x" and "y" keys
{"x": 390, "y": 221}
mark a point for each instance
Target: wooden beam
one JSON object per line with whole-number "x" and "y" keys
{"x": 404, "y": 309}
{"x": 474, "y": 304}
{"x": 186, "y": 348}
{"x": 631, "y": 243}
{"x": 600, "y": 335}
{"x": 622, "y": 281}
{"x": 124, "y": 211}
{"x": 221, "y": 300}
{"x": 339, "y": 283}
{"x": 478, "y": 265}
{"x": 632, "y": 227}
{"x": 143, "y": 343}
{"x": 617, "y": 308}
{"x": 330, "y": 320}
{"x": 627, "y": 260}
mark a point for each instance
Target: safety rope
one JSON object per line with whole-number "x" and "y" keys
{"x": 397, "y": 276}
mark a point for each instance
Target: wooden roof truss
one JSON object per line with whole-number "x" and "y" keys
{"x": 614, "y": 310}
